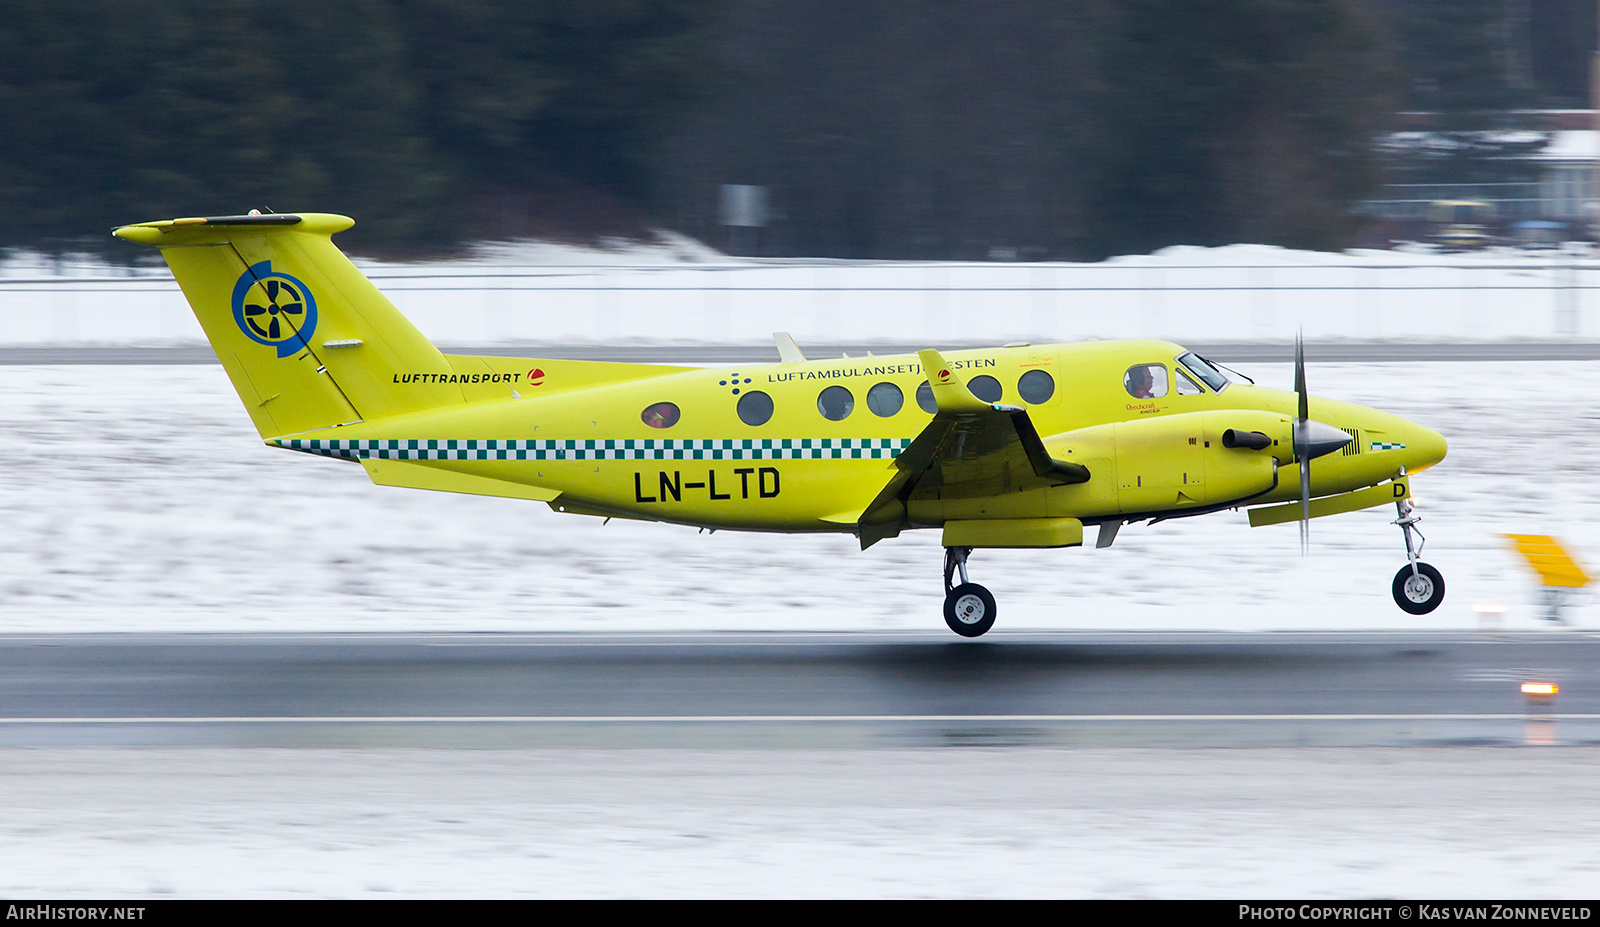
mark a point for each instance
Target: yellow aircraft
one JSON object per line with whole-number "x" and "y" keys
{"x": 1020, "y": 446}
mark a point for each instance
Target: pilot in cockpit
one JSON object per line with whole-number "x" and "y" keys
{"x": 1139, "y": 383}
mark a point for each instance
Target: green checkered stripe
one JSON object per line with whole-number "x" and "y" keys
{"x": 614, "y": 449}
{"x": 1388, "y": 446}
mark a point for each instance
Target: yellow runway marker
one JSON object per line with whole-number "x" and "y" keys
{"x": 1550, "y": 560}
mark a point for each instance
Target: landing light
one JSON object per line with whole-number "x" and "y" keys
{"x": 1540, "y": 689}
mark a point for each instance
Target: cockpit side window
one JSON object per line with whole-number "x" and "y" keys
{"x": 1198, "y": 365}
{"x": 1186, "y": 386}
{"x": 1146, "y": 381}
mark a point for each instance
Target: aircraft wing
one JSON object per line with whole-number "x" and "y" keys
{"x": 970, "y": 448}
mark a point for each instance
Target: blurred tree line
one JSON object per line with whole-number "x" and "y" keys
{"x": 1041, "y": 128}
{"x": 942, "y": 129}
{"x": 1476, "y": 69}
{"x": 402, "y": 113}
{"x": 1490, "y": 56}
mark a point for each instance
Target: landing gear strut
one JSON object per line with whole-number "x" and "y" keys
{"x": 1418, "y": 587}
{"x": 968, "y": 607}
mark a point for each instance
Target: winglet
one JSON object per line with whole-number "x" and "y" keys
{"x": 788, "y": 351}
{"x": 950, "y": 393}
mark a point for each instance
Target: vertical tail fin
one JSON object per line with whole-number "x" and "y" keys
{"x": 306, "y": 339}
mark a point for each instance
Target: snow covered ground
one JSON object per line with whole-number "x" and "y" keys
{"x": 964, "y": 823}
{"x": 139, "y": 499}
{"x": 680, "y": 292}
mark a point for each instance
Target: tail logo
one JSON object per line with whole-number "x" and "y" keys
{"x": 274, "y": 309}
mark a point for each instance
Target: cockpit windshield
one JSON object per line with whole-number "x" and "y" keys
{"x": 1197, "y": 365}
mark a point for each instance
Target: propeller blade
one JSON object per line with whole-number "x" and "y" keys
{"x": 1305, "y": 505}
{"x": 1300, "y": 376}
{"x": 1302, "y": 440}
{"x": 273, "y": 330}
{"x": 272, "y": 291}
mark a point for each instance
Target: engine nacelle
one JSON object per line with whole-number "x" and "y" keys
{"x": 1174, "y": 462}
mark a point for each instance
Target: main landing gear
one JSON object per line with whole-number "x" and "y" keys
{"x": 968, "y": 608}
{"x": 1418, "y": 587}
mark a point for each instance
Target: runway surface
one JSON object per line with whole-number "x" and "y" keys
{"x": 1227, "y": 352}
{"x": 820, "y": 690}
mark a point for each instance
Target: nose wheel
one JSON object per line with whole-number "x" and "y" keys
{"x": 1418, "y": 588}
{"x": 968, "y": 607}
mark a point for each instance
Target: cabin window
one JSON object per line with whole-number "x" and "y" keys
{"x": 661, "y": 415}
{"x": 1146, "y": 381}
{"x": 885, "y": 399}
{"x": 1036, "y": 386}
{"x": 925, "y": 398}
{"x": 1186, "y": 386}
{"x": 986, "y": 388}
{"x": 836, "y": 403}
{"x": 755, "y": 408}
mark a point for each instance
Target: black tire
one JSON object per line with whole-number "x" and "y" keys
{"x": 969, "y": 610}
{"x": 1422, "y": 596}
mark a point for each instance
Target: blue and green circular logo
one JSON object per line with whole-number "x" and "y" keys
{"x": 274, "y": 309}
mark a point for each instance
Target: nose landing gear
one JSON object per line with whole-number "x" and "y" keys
{"x": 1418, "y": 588}
{"x": 968, "y": 607}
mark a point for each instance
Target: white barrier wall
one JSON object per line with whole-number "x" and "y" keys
{"x": 1247, "y": 293}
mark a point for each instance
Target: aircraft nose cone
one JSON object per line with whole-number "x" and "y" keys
{"x": 1321, "y": 438}
{"x": 1424, "y": 448}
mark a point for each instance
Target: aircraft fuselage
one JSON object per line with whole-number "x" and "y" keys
{"x": 832, "y": 430}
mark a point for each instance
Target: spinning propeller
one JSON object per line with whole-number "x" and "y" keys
{"x": 1302, "y": 441}
{"x": 1311, "y": 439}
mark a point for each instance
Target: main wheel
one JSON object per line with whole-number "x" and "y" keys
{"x": 969, "y": 610}
{"x": 1421, "y": 593}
